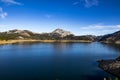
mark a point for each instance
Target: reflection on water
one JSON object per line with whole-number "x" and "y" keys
{"x": 115, "y": 47}
{"x": 60, "y": 47}
{"x": 55, "y": 61}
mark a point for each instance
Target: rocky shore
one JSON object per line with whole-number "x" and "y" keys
{"x": 111, "y": 66}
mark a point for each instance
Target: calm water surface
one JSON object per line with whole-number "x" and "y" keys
{"x": 55, "y": 61}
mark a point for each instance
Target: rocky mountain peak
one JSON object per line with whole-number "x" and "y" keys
{"x": 58, "y": 30}
{"x": 61, "y": 32}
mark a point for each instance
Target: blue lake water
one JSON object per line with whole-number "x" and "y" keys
{"x": 55, "y": 61}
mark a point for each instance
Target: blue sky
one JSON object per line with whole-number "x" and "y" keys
{"x": 81, "y": 17}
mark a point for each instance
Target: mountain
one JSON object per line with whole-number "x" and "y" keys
{"x": 21, "y": 32}
{"x": 111, "y": 38}
{"x": 57, "y": 34}
{"x": 17, "y": 34}
{"x": 61, "y": 32}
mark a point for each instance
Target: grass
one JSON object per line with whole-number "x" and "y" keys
{"x": 44, "y": 41}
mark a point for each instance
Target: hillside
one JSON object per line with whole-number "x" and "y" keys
{"x": 57, "y": 34}
{"x": 111, "y": 38}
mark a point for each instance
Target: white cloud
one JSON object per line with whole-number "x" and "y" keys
{"x": 8, "y": 2}
{"x": 87, "y": 3}
{"x": 11, "y": 2}
{"x": 2, "y": 13}
{"x": 99, "y": 29}
{"x": 48, "y": 15}
{"x": 90, "y": 3}
{"x": 76, "y": 3}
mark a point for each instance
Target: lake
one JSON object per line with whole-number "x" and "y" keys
{"x": 55, "y": 61}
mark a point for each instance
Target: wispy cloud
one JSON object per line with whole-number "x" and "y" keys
{"x": 90, "y": 3}
{"x": 76, "y": 3}
{"x": 4, "y": 27}
{"x": 48, "y": 15}
{"x": 9, "y": 2}
{"x": 87, "y": 3}
{"x": 99, "y": 29}
{"x": 2, "y": 13}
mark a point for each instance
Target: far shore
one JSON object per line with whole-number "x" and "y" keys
{"x": 108, "y": 42}
{"x": 43, "y": 41}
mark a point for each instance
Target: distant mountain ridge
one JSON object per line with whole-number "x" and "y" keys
{"x": 20, "y": 32}
{"x": 57, "y": 34}
{"x": 111, "y": 38}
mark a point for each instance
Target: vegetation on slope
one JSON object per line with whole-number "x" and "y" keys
{"x": 55, "y": 35}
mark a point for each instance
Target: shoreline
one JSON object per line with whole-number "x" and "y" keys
{"x": 42, "y": 41}
{"x": 111, "y": 66}
{"x": 107, "y": 42}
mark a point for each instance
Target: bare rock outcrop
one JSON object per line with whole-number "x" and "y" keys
{"x": 61, "y": 32}
{"x": 111, "y": 66}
